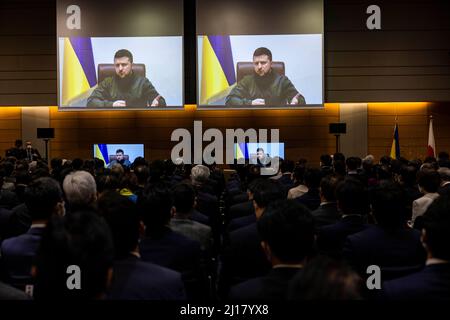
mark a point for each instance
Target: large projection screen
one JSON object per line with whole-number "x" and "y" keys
{"x": 116, "y": 55}
{"x": 228, "y": 34}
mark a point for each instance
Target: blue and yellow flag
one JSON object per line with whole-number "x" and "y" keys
{"x": 217, "y": 66}
{"x": 101, "y": 152}
{"x": 395, "y": 148}
{"x": 78, "y": 68}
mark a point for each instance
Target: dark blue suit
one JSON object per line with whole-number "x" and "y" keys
{"x": 244, "y": 258}
{"x": 331, "y": 238}
{"x": 311, "y": 199}
{"x": 18, "y": 254}
{"x": 326, "y": 214}
{"x": 171, "y": 250}
{"x": 241, "y": 209}
{"x": 241, "y": 222}
{"x": 134, "y": 279}
{"x": 377, "y": 246}
{"x": 271, "y": 287}
{"x": 432, "y": 283}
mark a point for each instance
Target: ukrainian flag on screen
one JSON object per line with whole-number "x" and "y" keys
{"x": 78, "y": 68}
{"x": 217, "y": 66}
{"x": 241, "y": 151}
{"x": 101, "y": 152}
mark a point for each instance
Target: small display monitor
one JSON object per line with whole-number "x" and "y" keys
{"x": 124, "y": 154}
{"x": 255, "y": 151}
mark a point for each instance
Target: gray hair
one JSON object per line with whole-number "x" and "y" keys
{"x": 199, "y": 174}
{"x": 80, "y": 188}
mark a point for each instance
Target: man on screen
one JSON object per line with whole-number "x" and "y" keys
{"x": 125, "y": 88}
{"x": 264, "y": 86}
{"x": 120, "y": 159}
{"x": 262, "y": 159}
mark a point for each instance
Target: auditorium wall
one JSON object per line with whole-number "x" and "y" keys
{"x": 361, "y": 65}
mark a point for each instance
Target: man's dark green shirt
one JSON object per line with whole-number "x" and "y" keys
{"x": 137, "y": 91}
{"x": 274, "y": 88}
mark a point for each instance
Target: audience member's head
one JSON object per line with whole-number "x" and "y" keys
{"x": 107, "y": 182}
{"x": 156, "y": 208}
{"x": 286, "y": 231}
{"x": 436, "y": 233}
{"x": 389, "y": 205}
{"x": 184, "y": 198}
{"x": 326, "y": 279}
{"x": 408, "y": 175}
{"x": 444, "y": 173}
{"x": 312, "y": 178}
{"x": 122, "y": 216}
{"x": 266, "y": 192}
{"x": 338, "y": 157}
{"x": 80, "y": 189}
{"x": 326, "y": 160}
{"x": 43, "y": 198}
{"x": 287, "y": 166}
{"x": 328, "y": 186}
{"x": 428, "y": 180}
{"x": 352, "y": 197}
{"x": 81, "y": 239}
{"x": 299, "y": 174}
{"x": 353, "y": 163}
{"x": 142, "y": 173}
{"x": 199, "y": 175}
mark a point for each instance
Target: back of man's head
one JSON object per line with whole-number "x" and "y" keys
{"x": 312, "y": 178}
{"x": 352, "y": 196}
{"x": 287, "y": 166}
{"x": 42, "y": 197}
{"x": 437, "y": 228}
{"x": 266, "y": 192}
{"x": 18, "y": 143}
{"x": 124, "y": 53}
{"x": 199, "y": 174}
{"x": 80, "y": 189}
{"x": 122, "y": 216}
{"x": 288, "y": 229}
{"x": 428, "y": 180}
{"x": 326, "y": 160}
{"x": 81, "y": 239}
{"x": 328, "y": 186}
{"x": 353, "y": 163}
{"x": 444, "y": 173}
{"x": 184, "y": 198}
{"x": 263, "y": 51}
{"x": 142, "y": 173}
{"x": 389, "y": 205}
{"x": 155, "y": 207}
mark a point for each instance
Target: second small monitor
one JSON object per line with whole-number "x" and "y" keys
{"x": 124, "y": 154}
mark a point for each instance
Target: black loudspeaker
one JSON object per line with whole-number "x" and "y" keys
{"x": 45, "y": 133}
{"x": 338, "y": 128}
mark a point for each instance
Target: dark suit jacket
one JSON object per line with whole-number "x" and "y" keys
{"x": 241, "y": 210}
{"x": 271, "y": 287}
{"x": 171, "y": 250}
{"x": 243, "y": 258}
{"x": 377, "y": 246}
{"x": 286, "y": 182}
{"x": 326, "y": 214}
{"x": 199, "y": 217}
{"x": 241, "y": 222}
{"x": 432, "y": 283}
{"x": 311, "y": 199}
{"x": 19, "y": 221}
{"x": 18, "y": 254}
{"x": 134, "y": 279}
{"x": 331, "y": 238}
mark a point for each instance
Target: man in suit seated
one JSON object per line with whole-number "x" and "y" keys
{"x": 433, "y": 282}
{"x": 125, "y": 88}
{"x": 81, "y": 239}
{"x": 352, "y": 200}
{"x": 182, "y": 222}
{"x": 165, "y": 247}
{"x": 132, "y": 278}
{"x": 311, "y": 198}
{"x": 327, "y": 213}
{"x": 264, "y": 86}
{"x": 390, "y": 244}
{"x": 286, "y": 231}
{"x": 429, "y": 182}
{"x": 243, "y": 257}
{"x": 43, "y": 198}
